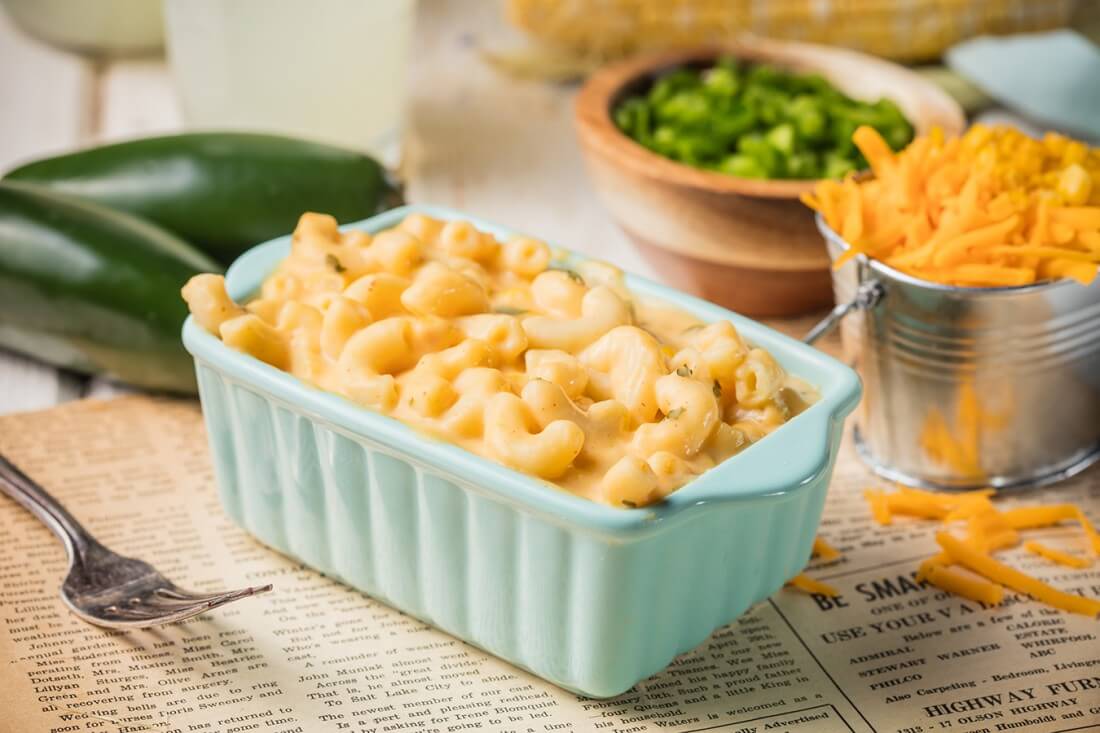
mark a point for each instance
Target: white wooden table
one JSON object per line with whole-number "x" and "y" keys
{"x": 497, "y": 147}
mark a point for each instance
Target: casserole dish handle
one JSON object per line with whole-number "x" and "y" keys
{"x": 799, "y": 455}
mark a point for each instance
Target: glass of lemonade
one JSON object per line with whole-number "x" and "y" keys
{"x": 329, "y": 70}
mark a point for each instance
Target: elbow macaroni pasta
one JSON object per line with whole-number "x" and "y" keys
{"x": 557, "y": 373}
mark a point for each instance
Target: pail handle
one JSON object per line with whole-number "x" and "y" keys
{"x": 868, "y": 295}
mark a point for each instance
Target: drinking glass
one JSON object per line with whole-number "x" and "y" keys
{"x": 327, "y": 70}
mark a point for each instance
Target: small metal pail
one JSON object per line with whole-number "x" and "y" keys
{"x": 969, "y": 387}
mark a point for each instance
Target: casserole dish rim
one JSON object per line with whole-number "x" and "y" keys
{"x": 767, "y": 468}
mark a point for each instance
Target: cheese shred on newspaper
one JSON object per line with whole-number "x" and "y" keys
{"x": 965, "y": 566}
{"x": 1057, "y": 556}
{"x": 824, "y": 550}
{"x": 805, "y": 583}
{"x": 967, "y": 586}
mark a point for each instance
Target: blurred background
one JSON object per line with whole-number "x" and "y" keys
{"x": 474, "y": 89}
{"x": 471, "y": 103}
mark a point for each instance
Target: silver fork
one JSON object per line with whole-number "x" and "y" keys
{"x": 102, "y": 587}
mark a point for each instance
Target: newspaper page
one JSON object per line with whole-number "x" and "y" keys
{"x": 889, "y": 654}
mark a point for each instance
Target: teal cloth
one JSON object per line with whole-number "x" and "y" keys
{"x": 1053, "y": 77}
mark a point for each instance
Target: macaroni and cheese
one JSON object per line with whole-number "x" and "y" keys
{"x": 559, "y": 373}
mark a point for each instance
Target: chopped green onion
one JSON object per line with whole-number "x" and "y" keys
{"x": 332, "y": 261}
{"x": 573, "y": 274}
{"x": 509, "y": 310}
{"x": 756, "y": 121}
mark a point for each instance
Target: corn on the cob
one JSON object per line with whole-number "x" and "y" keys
{"x": 599, "y": 30}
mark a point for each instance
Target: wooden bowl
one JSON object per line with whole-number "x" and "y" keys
{"x": 746, "y": 244}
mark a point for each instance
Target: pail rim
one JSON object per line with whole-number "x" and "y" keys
{"x": 894, "y": 274}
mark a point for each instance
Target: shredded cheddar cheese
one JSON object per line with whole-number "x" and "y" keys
{"x": 966, "y": 555}
{"x": 965, "y": 566}
{"x": 992, "y": 208}
{"x": 1046, "y": 516}
{"x": 807, "y": 584}
{"x": 880, "y": 508}
{"x": 1093, "y": 535}
{"x": 824, "y": 550}
{"x": 1039, "y": 516}
{"x": 976, "y": 589}
{"x": 970, "y": 508}
{"x": 1057, "y": 556}
{"x": 927, "y": 504}
{"x": 988, "y": 530}
{"x": 928, "y": 564}
{"x": 916, "y": 506}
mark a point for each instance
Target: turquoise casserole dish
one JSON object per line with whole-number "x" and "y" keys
{"x": 589, "y": 597}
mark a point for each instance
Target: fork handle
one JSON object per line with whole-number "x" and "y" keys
{"x": 49, "y": 510}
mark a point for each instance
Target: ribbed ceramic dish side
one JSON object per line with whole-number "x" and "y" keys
{"x": 588, "y": 597}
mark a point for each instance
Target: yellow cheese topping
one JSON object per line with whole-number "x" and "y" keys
{"x": 992, "y": 208}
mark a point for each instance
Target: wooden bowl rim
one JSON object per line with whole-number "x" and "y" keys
{"x": 592, "y": 111}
